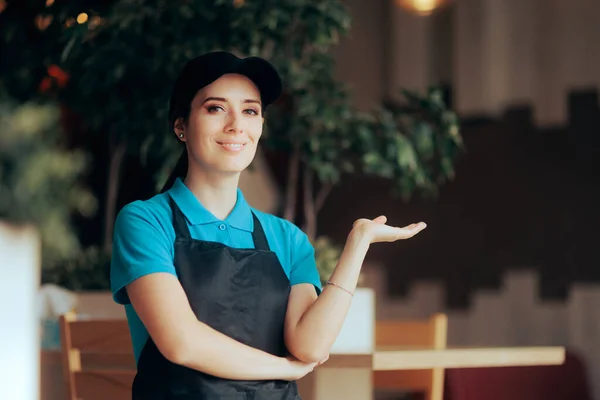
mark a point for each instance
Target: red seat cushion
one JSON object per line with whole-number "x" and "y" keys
{"x": 561, "y": 382}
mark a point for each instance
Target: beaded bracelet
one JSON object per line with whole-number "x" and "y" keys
{"x": 339, "y": 287}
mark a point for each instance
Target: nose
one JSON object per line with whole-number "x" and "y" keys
{"x": 234, "y": 123}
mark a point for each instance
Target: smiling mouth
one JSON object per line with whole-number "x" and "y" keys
{"x": 232, "y": 146}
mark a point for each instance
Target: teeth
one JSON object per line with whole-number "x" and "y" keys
{"x": 233, "y": 145}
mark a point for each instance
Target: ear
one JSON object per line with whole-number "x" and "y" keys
{"x": 179, "y": 129}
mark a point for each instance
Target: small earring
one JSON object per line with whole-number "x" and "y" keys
{"x": 181, "y": 135}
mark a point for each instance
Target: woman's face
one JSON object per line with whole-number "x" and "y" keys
{"x": 224, "y": 125}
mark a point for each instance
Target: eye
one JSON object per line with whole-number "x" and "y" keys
{"x": 214, "y": 109}
{"x": 251, "y": 111}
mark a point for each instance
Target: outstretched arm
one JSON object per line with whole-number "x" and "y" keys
{"x": 312, "y": 324}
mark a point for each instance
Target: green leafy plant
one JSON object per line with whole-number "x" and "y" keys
{"x": 87, "y": 270}
{"x": 39, "y": 177}
{"x": 120, "y": 61}
{"x": 116, "y": 68}
{"x": 414, "y": 144}
{"x": 327, "y": 255}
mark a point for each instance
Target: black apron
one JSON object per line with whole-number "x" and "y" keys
{"x": 242, "y": 293}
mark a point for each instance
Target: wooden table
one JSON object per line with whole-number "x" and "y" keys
{"x": 348, "y": 376}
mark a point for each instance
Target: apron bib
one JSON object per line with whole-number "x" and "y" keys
{"x": 242, "y": 293}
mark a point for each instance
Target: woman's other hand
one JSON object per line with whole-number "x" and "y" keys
{"x": 323, "y": 360}
{"x": 299, "y": 369}
{"x": 376, "y": 230}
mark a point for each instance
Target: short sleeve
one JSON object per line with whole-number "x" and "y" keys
{"x": 140, "y": 247}
{"x": 303, "y": 264}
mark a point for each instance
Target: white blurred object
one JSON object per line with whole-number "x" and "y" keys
{"x": 52, "y": 301}
{"x": 357, "y": 335}
{"x": 20, "y": 261}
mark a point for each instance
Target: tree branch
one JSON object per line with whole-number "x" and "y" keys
{"x": 322, "y": 196}
{"x": 310, "y": 215}
{"x": 112, "y": 191}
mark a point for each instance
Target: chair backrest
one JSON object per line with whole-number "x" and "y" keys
{"x": 97, "y": 357}
{"x": 544, "y": 382}
{"x": 430, "y": 333}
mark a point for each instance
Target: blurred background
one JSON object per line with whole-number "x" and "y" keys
{"x": 479, "y": 117}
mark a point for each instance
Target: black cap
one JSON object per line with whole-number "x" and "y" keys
{"x": 207, "y": 68}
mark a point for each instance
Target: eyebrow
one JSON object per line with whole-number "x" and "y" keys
{"x": 225, "y": 100}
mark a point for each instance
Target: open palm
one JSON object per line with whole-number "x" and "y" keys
{"x": 376, "y": 230}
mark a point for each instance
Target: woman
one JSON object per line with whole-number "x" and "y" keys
{"x": 223, "y": 301}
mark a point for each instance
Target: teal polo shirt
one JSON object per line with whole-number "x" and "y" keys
{"x": 144, "y": 238}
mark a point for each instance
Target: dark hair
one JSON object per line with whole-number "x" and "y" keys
{"x": 180, "y": 170}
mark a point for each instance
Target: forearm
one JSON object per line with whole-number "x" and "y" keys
{"x": 214, "y": 353}
{"x": 320, "y": 325}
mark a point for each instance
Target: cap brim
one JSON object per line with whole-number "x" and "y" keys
{"x": 264, "y": 75}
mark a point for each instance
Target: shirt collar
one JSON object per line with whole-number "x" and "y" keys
{"x": 196, "y": 214}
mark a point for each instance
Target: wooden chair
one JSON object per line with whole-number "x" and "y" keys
{"x": 431, "y": 333}
{"x": 97, "y": 358}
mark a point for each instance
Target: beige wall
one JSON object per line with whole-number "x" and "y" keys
{"x": 361, "y": 55}
{"x": 259, "y": 186}
{"x": 497, "y": 53}
{"x": 526, "y": 51}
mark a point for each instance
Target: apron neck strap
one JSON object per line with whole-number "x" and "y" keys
{"x": 258, "y": 235}
{"x": 179, "y": 224}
